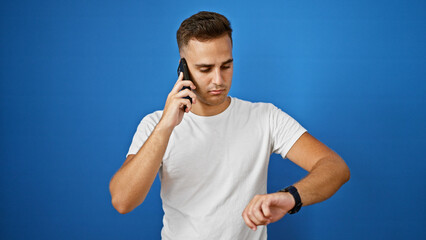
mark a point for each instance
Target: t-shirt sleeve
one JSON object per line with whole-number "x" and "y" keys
{"x": 144, "y": 130}
{"x": 285, "y": 131}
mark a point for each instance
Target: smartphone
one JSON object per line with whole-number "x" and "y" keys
{"x": 183, "y": 67}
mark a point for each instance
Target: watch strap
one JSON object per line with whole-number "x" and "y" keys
{"x": 293, "y": 191}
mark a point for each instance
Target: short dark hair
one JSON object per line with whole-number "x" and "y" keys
{"x": 203, "y": 26}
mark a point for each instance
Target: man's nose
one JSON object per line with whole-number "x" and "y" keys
{"x": 217, "y": 78}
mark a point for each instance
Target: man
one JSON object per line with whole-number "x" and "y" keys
{"x": 212, "y": 154}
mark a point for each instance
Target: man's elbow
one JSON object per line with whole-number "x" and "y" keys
{"x": 122, "y": 203}
{"x": 121, "y": 208}
{"x": 345, "y": 172}
{"x": 341, "y": 170}
{"x": 118, "y": 202}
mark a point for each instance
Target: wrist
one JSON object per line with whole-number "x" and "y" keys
{"x": 288, "y": 198}
{"x": 296, "y": 198}
{"x": 163, "y": 129}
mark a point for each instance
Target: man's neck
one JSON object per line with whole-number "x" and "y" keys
{"x": 202, "y": 109}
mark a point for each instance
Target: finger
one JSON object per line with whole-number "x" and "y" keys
{"x": 257, "y": 212}
{"x": 185, "y": 96}
{"x": 180, "y": 77}
{"x": 185, "y": 102}
{"x": 252, "y": 216}
{"x": 179, "y": 85}
{"x": 251, "y": 210}
{"x": 246, "y": 215}
{"x": 248, "y": 222}
{"x": 266, "y": 211}
{"x": 187, "y": 83}
{"x": 185, "y": 93}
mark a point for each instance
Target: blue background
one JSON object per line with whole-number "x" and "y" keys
{"x": 78, "y": 76}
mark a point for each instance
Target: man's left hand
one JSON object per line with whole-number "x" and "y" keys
{"x": 267, "y": 208}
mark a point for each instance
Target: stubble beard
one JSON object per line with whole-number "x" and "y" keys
{"x": 207, "y": 100}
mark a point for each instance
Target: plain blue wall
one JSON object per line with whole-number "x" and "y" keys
{"x": 78, "y": 76}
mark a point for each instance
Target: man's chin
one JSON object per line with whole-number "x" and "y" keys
{"x": 215, "y": 100}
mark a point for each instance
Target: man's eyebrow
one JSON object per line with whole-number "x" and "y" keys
{"x": 228, "y": 61}
{"x": 211, "y": 65}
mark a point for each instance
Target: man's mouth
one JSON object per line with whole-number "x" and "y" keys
{"x": 216, "y": 92}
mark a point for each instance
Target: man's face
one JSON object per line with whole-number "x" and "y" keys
{"x": 211, "y": 67}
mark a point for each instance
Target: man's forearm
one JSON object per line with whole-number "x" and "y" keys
{"x": 132, "y": 182}
{"x": 325, "y": 178}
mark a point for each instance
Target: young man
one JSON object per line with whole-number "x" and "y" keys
{"x": 212, "y": 154}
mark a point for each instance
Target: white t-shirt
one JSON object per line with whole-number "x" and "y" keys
{"x": 213, "y": 166}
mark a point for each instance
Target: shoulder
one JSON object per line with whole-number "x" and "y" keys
{"x": 255, "y": 107}
{"x": 151, "y": 119}
{"x": 260, "y": 110}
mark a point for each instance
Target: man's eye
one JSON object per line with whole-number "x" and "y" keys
{"x": 225, "y": 67}
{"x": 205, "y": 70}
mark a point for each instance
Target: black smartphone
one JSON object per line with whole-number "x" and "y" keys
{"x": 183, "y": 67}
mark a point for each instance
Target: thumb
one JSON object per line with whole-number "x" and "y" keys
{"x": 265, "y": 209}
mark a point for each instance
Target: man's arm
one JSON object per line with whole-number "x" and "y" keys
{"x": 131, "y": 183}
{"x": 327, "y": 173}
{"x": 327, "y": 170}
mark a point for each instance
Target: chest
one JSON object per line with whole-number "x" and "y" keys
{"x": 216, "y": 151}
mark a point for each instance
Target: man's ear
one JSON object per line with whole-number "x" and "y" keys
{"x": 181, "y": 54}
{"x": 182, "y": 51}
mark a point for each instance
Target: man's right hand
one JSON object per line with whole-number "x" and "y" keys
{"x": 174, "y": 109}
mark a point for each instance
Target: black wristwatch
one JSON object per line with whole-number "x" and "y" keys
{"x": 293, "y": 191}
